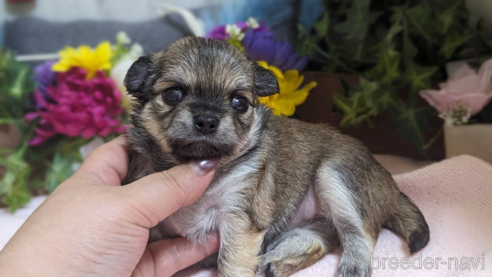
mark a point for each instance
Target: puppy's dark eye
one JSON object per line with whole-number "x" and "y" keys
{"x": 240, "y": 104}
{"x": 173, "y": 95}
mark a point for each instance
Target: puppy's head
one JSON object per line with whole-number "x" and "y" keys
{"x": 198, "y": 98}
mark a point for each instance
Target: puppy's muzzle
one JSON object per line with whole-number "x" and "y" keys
{"x": 206, "y": 124}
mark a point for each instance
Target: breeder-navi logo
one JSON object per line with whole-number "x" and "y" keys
{"x": 428, "y": 263}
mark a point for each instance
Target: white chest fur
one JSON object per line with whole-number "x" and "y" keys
{"x": 207, "y": 214}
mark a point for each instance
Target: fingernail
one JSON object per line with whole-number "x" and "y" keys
{"x": 204, "y": 167}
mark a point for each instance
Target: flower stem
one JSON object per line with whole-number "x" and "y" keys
{"x": 433, "y": 139}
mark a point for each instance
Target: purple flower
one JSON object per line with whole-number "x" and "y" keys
{"x": 217, "y": 33}
{"x": 45, "y": 76}
{"x": 262, "y": 47}
{"x": 220, "y": 31}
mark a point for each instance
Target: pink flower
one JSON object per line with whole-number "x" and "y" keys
{"x": 466, "y": 86}
{"x": 79, "y": 107}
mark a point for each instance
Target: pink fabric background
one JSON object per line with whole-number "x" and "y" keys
{"x": 455, "y": 197}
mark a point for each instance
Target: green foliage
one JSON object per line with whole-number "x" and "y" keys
{"x": 16, "y": 83}
{"x": 14, "y": 189}
{"x": 418, "y": 76}
{"x": 411, "y": 121}
{"x": 322, "y": 26}
{"x": 359, "y": 17}
{"x": 398, "y": 47}
{"x": 13, "y": 184}
{"x": 54, "y": 160}
{"x": 58, "y": 170}
{"x": 66, "y": 154}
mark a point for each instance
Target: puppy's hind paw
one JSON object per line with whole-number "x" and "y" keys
{"x": 353, "y": 269}
{"x": 278, "y": 269}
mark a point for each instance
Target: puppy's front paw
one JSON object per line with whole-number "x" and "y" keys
{"x": 353, "y": 268}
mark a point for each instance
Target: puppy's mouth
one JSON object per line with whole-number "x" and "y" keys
{"x": 186, "y": 151}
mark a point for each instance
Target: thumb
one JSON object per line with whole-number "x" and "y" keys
{"x": 158, "y": 195}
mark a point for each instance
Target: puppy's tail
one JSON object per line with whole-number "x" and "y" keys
{"x": 410, "y": 223}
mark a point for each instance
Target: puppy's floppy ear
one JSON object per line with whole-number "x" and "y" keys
{"x": 138, "y": 79}
{"x": 265, "y": 82}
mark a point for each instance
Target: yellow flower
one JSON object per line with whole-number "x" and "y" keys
{"x": 290, "y": 95}
{"x": 86, "y": 58}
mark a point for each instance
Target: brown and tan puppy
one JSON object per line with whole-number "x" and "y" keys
{"x": 285, "y": 192}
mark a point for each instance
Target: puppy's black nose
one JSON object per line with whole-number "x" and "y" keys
{"x": 206, "y": 124}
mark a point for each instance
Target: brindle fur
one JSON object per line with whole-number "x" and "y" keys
{"x": 268, "y": 165}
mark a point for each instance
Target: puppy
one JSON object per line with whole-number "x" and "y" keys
{"x": 285, "y": 192}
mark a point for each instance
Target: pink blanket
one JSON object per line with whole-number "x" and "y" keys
{"x": 455, "y": 197}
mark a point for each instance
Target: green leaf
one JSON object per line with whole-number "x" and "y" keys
{"x": 368, "y": 90}
{"x": 14, "y": 184}
{"x": 411, "y": 121}
{"x": 409, "y": 49}
{"x": 15, "y": 164}
{"x": 446, "y": 18}
{"x": 355, "y": 110}
{"x": 420, "y": 21}
{"x": 304, "y": 43}
{"x": 19, "y": 195}
{"x": 346, "y": 87}
{"x": 399, "y": 19}
{"x": 378, "y": 96}
{"x": 119, "y": 51}
{"x": 387, "y": 69}
{"x": 20, "y": 83}
{"x": 5, "y": 120}
{"x": 356, "y": 50}
{"x": 453, "y": 40}
{"x": 6, "y": 151}
{"x": 70, "y": 147}
{"x": 395, "y": 29}
{"x": 474, "y": 19}
{"x": 59, "y": 170}
{"x": 359, "y": 18}
{"x": 386, "y": 98}
{"x": 322, "y": 26}
{"x": 16, "y": 83}
{"x": 419, "y": 76}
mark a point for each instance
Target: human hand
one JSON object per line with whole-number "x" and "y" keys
{"x": 92, "y": 226}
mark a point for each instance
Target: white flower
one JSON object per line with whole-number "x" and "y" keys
{"x": 252, "y": 23}
{"x": 234, "y": 32}
{"x": 456, "y": 115}
{"x": 122, "y": 38}
{"x": 136, "y": 51}
{"x": 119, "y": 70}
{"x": 118, "y": 73}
